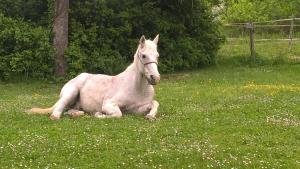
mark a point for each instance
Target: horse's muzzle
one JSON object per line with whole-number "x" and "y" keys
{"x": 153, "y": 80}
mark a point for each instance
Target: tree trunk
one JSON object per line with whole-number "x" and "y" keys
{"x": 60, "y": 30}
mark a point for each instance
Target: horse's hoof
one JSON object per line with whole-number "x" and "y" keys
{"x": 52, "y": 117}
{"x": 76, "y": 114}
{"x": 150, "y": 117}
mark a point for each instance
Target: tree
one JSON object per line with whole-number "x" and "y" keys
{"x": 250, "y": 10}
{"x": 60, "y": 30}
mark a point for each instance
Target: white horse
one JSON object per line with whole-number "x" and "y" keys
{"x": 108, "y": 96}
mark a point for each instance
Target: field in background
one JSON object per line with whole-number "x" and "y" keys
{"x": 236, "y": 52}
{"x": 271, "y": 43}
{"x": 233, "y": 115}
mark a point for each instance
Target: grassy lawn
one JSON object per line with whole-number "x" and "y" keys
{"x": 233, "y": 116}
{"x": 218, "y": 117}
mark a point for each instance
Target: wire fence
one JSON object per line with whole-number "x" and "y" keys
{"x": 269, "y": 39}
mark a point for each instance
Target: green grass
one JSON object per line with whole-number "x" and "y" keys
{"x": 232, "y": 116}
{"x": 237, "y": 52}
{"x": 217, "y": 117}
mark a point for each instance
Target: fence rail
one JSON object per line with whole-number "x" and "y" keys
{"x": 258, "y": 40}
{"x": 279, "y": 20}
{"x": 262, "y": 25}
{"x": 270, "y": 21}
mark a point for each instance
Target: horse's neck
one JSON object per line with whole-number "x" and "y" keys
{"x": 133, "y": 75}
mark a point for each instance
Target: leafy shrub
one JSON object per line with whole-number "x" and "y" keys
{"x": 85, "y": 55}
{"x": 250, "y": 10}
{"x": 103, "y": 33}
{"x": 24, "y": 50}
{"x": 33, "y": 11}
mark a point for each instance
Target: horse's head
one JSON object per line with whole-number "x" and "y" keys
{"x": 148, "y": 57}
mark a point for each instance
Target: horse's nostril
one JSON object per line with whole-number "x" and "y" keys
{"x": 152, "y": 77}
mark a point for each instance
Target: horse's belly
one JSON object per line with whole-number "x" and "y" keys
{"x": 92, "y": 93}
{"x": 90, "y": 104}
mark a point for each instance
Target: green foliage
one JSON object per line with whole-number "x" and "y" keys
{"x": 33, "y": 11}
{"x": 105, "y": 32}
{"x": 24, "y": 50}
{"x": 244, "y": 10}
{"x": 251, "y": 10}
{"x": 103, "y": 35}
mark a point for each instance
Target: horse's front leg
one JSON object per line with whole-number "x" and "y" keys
{"x": 150, "y": 109}
{"x": 109, "y": 110}
{"x": 152, "y": 114}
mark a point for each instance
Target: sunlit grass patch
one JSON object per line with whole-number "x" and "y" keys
{"x": 272, "y": 87}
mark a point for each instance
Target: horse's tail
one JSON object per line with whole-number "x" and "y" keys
{"x": 40, "y": 110}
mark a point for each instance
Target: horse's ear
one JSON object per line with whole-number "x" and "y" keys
{"x": 155, "y": 40}
{"x": 142, "y": 41}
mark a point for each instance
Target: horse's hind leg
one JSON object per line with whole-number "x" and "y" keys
{"x": 74, "y": 113}
{"x": 68, "y": 96}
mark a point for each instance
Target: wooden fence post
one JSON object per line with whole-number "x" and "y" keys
{"x": 291, "y": 33}
{"x": 250, "y": 26}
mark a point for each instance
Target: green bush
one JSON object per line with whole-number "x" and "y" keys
{"x": 250, "y": 10}
{"x": 33, "y": 11}
{"x": 105, "y": 33}
{"x": 24, "y": 50}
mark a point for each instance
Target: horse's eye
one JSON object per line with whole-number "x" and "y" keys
{"x": 143, "y": 56}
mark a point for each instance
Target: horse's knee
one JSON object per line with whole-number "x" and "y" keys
{"x": 155, "y": 103}
{"x": 111, "y": 115}
{"x": 151, "y": 115}
{"x": 144, "y": 109}
{"x": 112, "y": 110}
{"x": 117, "y": 114}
